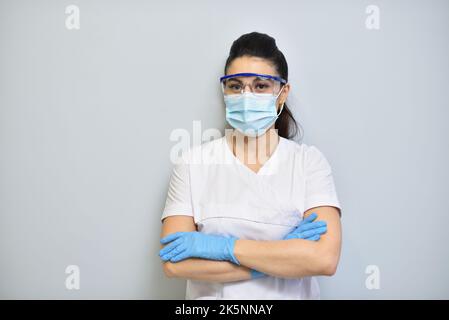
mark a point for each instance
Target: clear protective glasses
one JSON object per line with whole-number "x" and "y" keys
{"x": 259, "y": 84}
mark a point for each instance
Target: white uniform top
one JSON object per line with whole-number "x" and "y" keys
{"x": 225, "y": 197}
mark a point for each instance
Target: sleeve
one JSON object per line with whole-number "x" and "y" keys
{"x": 178, "y": 200}
{"x": 319, "y": 183}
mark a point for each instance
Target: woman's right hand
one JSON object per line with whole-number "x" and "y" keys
{"x": 308, "y": 230}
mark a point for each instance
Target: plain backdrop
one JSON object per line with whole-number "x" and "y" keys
{"x": 86, "y": 117}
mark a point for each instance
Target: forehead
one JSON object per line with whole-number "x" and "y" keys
{"x": 251, "y": 65}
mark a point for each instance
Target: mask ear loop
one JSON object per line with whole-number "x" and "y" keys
{"x": 282, "y": 107}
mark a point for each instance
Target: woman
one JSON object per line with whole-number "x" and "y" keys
{"x": 243, "y": 229}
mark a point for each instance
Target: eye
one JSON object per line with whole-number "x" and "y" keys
{"x": 233, "y": 85}
{"x": 263, "y": 84}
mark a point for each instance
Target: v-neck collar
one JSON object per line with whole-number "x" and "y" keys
{"x": 269, "y": 163}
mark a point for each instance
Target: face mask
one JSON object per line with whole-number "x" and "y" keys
{"x": 252, "y": 115}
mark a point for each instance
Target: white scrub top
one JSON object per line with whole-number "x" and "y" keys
{"x": 225, "y": 197}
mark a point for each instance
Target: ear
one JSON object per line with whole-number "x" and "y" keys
{"x": 283, "y": 96}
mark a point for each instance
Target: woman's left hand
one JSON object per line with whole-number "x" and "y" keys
{"x": 194, "y": 244}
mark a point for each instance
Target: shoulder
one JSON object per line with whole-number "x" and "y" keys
{"x": 301, "y": 149}
{"x": 308, "y": 154}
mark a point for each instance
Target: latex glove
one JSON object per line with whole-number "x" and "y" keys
{"x": 194, "y": 244}
{"x": 257, "y": 274}
{"x": 307, "y": 230}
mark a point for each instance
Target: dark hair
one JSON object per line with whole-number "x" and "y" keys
{"x": 261, "y": 45}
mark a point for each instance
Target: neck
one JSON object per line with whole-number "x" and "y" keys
{"x": 254, "y": 150}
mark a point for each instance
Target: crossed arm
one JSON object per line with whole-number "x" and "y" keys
{"x": 293, "y": 258}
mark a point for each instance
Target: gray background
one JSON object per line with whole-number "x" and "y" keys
{"x": 86, "y": 115}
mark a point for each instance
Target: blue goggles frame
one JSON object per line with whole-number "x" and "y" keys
{"x": 281, "y": 80}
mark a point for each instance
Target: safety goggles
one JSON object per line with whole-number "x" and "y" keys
{"x": 234, "y": 84}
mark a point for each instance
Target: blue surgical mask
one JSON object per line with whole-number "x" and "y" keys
{"x": 251, "y": 114}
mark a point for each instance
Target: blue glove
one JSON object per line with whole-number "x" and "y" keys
{"x": 196, "y": 244}
{"x": 307, "y": 230}
{"x": 257, "y": 274}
